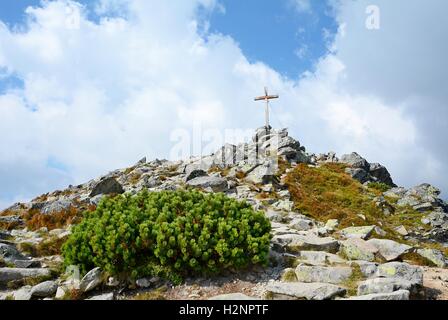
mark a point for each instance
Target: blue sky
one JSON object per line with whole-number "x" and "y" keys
{"x": 79, "y": 100}
{"x": 276, "y": 32}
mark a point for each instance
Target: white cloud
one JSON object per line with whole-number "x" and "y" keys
{"x": 302, "y": 6}
{"x": 103, "y": 95}
{"x": 302, "y": 51}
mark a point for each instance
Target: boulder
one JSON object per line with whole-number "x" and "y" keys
{"x": 289, "y": 275}
{"x": 195, "y": 174}
{"x": 358, "y": 174}
{"x": 12, "y": 274}
{"x": 140, "y": 162}
{"x": 44, "y": 289}
{"x": 334, "y": 275}
{"x": 294, "y": 243}
{"x": 303, "y": 291}
{"x": 23, "y": 294}
{"x": 262, "y": 134}
{"x": 11, "y": 220}
{"x": 332, "y": 224}
{"x": 217, "y": 184}
{"x": 4, "y": 235}
{"x": 389, "y": 249}
{"x": 243, "y": 191}
{"x": 423, "y": 207}
{"x": 288, "y": 142}
{"x": 288, "y": 152}
{"x": 408, "y": 201}
{"x": 274, "y": 216}
{"x": 9, "y": 253}
{"x": 318, "y": 258}
{"x": 384, "y": 285}
{"x": 263, "y": 174}
{"x": 146, "y": 282}
{"x": 401, "y": 270}
{"x": 358, "y": 249}
{"x": 233, "y": 296}
{"x": 205, "y": 164}
{"x": 354, "y": 160}
{"x": 301, "y": 224}
{"x": 61, "y": 292}
{"x": 91, "y": 280}
{"x": 435, "y": 256}
{"x": 283, "y": 205}
{"x": 397, "y": 192}
{"x": 358, "y": 232}
{"x": 402, "y": 230}
{"x": 103, "y": 297}
{"x": 56, "y": 206}
{"x": 397, "y": 295}
{"x": 381, "y": 174}
{"x": 107, "y": 186}
{"x": 424, "y": 190}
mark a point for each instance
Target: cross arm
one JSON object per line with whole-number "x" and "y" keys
{"x": 266, "y": 98}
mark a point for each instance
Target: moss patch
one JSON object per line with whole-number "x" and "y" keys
{"x": 351, "y": 284}
{"x": 289, "y": 275}
{"x": 157, "y": 294}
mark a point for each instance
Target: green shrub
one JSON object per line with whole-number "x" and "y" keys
{"x": 170, "y": 234}
{"x": 379, "y": 186}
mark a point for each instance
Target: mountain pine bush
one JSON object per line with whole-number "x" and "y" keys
{"x": 170, "y": 234}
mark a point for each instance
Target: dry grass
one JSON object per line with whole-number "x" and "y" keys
{"x": 41, "y": 198}
{"x": 240, "y": 175}
{"x": 327, "y": 192}
{"x": 73, "y": 295}
{"x": 8, "y": 213}
{"x": 9, "y": 225}
{"x": 135, "y": 178}
{"x": 34, "y": 219}
{"x": 216, "y": 169}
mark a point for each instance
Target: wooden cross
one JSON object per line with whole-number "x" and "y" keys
{"x": 266, "y": 98}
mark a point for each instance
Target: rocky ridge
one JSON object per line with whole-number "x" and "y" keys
{"x": 310, "y": 259}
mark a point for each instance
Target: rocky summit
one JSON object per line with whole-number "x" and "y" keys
{"x": 340, "y": 229}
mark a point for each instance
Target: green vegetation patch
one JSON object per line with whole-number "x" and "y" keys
{"x": 378, "y": 186}
{"x": 170, "y": 234}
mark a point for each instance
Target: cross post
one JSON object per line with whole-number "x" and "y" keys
{"x": 266, "y": 98}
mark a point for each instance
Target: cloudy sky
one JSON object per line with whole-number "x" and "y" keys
{"x": 90, "y": 86}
